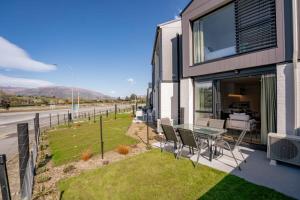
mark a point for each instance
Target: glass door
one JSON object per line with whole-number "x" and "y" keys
{"x": 217, "y": 107}
{"x": 203, "y": 100}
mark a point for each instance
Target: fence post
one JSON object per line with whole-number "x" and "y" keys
{"x": 94, "y": 116}
{"x": 68, "y": 118}
{"x": 106, "y": 113}
{"x": 89, "y": 116}
{"x": 4, "y": 184}
{"x": 50, "y": 120}
{"x": 23, "y": 146}
{"x": 36, "y": 129}
{"x": 133, "y": 113}
{"x": 147, "y": 120}
{"x": 101, "y": 137}
{"x": 115, "y": 111}
{"x": 57, "y": 119}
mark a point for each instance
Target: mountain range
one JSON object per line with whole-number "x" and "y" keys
{"x": 57, "y": 91}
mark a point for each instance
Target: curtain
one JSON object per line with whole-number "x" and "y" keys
{"x": 197, "y": 35}
{"x": 268, "y": 106}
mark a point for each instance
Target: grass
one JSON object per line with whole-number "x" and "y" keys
{"x": 67, "y": 144}
{"x": 156, "y": 175}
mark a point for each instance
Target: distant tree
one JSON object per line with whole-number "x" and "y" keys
{"x": 5, "y": 104}
{"x": 133, "y": 97}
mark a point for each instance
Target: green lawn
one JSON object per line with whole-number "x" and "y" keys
{"x": 67, "y": 144}
{"x": 156, "y": 175}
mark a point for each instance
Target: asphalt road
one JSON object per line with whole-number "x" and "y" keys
{"x": 9, "y": 121}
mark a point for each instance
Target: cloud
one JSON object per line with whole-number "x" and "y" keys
{"x": 13, "y": 57}
{"x": 112, "y": 92}
{"x": 131, "y": 81}
{"x": 7, "y": 81}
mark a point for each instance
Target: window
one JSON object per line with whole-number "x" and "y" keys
{"x": 203, "y": 99}
{"x": 214, "y": 35}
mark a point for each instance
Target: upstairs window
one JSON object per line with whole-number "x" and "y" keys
{"x": 255, "y": 25}
{"x": 214, "y": 35}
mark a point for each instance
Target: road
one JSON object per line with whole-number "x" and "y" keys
{"x": 9, "y": 121}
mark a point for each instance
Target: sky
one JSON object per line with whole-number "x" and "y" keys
{"x": 102, "y": 45}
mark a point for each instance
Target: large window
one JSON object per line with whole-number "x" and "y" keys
{"x": 203, "y": 99}
{"x": 214, "y": 35}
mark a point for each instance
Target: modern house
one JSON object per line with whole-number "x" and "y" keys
{"x": 239, "y": 57}
{"x": 166, "y": 60}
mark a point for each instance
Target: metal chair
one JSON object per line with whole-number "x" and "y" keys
{"x": 188, "y": 140}
{"x": 216, "y": 123}
{"x": 202, "y": 121}
{"x": 220, "y": 142}
{"x": 170, "y": 136}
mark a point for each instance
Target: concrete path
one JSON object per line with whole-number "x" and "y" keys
{"x": 283, "y": 178}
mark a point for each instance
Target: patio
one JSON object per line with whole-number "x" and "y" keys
{"x": 282, "y": 177}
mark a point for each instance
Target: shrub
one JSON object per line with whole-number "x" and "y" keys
{"x": 78, "y": 125}
{"x": 122, "y": 149}
{"x": 86, "y": 155}
{"x": 42, "y": 179}
{"x": 68, "y": 168}
{"x": 41, "y": 170}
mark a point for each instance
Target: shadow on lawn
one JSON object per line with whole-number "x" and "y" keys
{"x": 233, "y": 187}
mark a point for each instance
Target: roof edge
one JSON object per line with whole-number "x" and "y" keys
{"x": 186, "y": 7}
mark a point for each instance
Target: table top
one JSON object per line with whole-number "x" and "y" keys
{"x": 202, "y": 129}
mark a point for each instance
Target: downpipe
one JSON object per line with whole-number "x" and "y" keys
{"x": 295, "y": 67}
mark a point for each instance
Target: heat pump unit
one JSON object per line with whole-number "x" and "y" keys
{"x": 285, "y": 148}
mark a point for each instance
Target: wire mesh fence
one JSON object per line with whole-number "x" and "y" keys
{"x": 28, "y": 146}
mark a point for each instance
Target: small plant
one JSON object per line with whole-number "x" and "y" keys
{"x": 41, "y": 170}
{"x": 78, "y": 125}
{"x": 41, "y": 192}
{"x": 69, "y": 168}
{"x": 136, "y": 133}
{"x": 122, "y": 149}
{"x": 43, "y": 178}
{"x": 86, "y": 155}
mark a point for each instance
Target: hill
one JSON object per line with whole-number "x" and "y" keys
{"x": 55, "y": 91}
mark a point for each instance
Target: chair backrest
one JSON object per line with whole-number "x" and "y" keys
{"x": 216, "y": 123}
{"x": 165, "y": 121}
{"x": 187, "y": 137}
{"x": 202, "y": 121}
{"x": 169, "y": 132}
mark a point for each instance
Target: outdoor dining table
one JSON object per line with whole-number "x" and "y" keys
{"x": 203, "y": 131}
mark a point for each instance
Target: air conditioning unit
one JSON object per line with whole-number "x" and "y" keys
{"x": 285, "y": 148}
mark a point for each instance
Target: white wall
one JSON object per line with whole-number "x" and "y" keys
{"x": 169, "y": 101}
{"x": 187, "y": 100}
{"x": 169, "y": 50}
{"x": 285, "y": 106}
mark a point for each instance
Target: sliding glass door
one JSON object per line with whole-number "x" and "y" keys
{"x": 203, "y": 99}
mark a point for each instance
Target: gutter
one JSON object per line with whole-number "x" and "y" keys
{"x": 178, "y": 76}
{"x": 295, "y": 67}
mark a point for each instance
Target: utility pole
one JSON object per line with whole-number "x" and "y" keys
{"x": 72, "y": 100}
{"x": 78, "y": 101}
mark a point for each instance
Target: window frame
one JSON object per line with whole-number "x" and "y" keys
{"x": 193, "y": 64}
{"x": 192, "y": 28}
